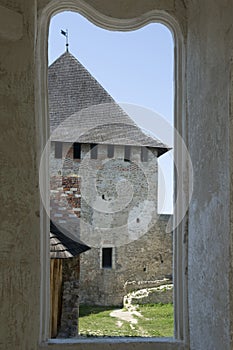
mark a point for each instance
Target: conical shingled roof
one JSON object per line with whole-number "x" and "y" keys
{"x": 83, "y": 111}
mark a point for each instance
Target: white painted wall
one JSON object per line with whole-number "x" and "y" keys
{"x": 209, "y": 53}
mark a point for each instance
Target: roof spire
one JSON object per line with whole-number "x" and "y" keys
{"x": 65, "y": 33}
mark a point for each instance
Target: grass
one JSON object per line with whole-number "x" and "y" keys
{"x": 156, "y": 321}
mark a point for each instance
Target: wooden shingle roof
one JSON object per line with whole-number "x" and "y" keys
{"x": 86, "y": 113}
{"x": 63, "y": 244}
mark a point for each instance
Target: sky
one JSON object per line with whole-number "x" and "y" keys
{"x": 135, "y": 67}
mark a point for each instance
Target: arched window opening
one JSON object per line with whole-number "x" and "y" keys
{"x": 89, "y": 82}
{"x": 179, "y": 277}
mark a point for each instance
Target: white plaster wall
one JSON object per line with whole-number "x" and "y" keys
{"x": 209, "y": 44}
{"x": 20, "y": 153}
{"x": 20, "y": 146}
{"x": 20, "y": 209}
{"x": 208, "y": 57}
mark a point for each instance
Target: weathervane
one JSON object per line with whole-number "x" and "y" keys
{"x": 65, "y": 33}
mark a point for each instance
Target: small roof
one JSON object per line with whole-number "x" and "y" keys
{"x": 83, "y": 111}
{"x": 63, "y": 244}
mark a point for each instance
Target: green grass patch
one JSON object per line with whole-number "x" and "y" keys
{"x": 156, "y": 321}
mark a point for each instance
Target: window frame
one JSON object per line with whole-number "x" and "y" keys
{"x": 181, "y": 334}
{"x": 144, "y": 154}
{"x": 110, "y": 151}
{"x": 104, "y": 249}
{"x": 77, "y": 149}
{"x": 94, "y": 151}
{"x": 127, "y": 153}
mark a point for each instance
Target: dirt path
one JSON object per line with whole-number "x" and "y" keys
{"x": 126, "y": 315}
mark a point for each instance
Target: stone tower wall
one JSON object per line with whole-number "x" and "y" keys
{"x": 116, "y": 201}
{"x": 146, "y": 259}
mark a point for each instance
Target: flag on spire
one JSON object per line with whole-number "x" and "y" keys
{"x": 65, "y": 33}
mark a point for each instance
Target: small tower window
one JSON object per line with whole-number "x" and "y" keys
{"x": 94, "y": 150}
{"x": 58, "y": 150}
{"x": 110, "y": 151}
{"x": 107, "y": 258}
{"x": 144, "y": 154}
{"x": 77, "y": 150}
{"x": 127, "y": 153}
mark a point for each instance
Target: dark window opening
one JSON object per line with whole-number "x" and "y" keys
{"x": 107, "y": 258}
{"x": 58, "y": 150}
{"x": 144, "y": 154}
{"x": 94, "y": 150}
{"x": 127, "y": 153}
{"x": 77, "y": 150}
{"x": 110, "y": 151}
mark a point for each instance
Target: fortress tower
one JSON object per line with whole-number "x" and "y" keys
{"x": 104, "y": 178}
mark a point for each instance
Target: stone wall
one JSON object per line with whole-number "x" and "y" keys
{"x": 118, "y": 210}
{"x": 70, "y": 298}
{"x": 147, "y": 258}
{"x": 65, "y": 202}
{"x": 154, "y": 295}
{"x": 65, "y": 205}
